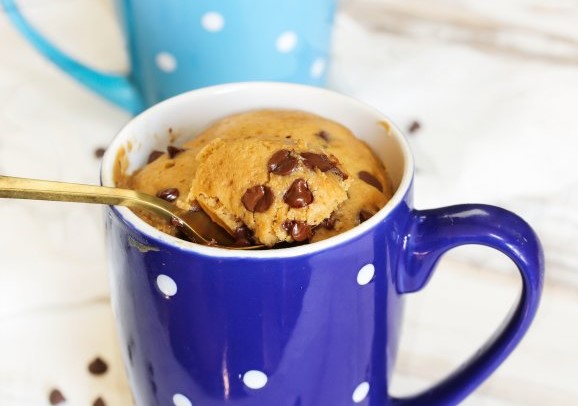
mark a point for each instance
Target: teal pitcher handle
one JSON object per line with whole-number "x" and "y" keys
{"x": 114, "y": 88}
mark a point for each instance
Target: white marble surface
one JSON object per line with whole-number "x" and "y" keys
{"x": 495, "y": 88}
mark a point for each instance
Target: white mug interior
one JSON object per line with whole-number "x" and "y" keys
{"x": 180, "y": 118}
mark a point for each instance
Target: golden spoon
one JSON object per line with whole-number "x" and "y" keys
{"x": 196, "y": 225}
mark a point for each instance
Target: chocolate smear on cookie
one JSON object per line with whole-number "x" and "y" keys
{"x": 153, "y": 156}
{"x": 324, "y": 135}
{"x": 258, "y": 199}
{"x": 174, "y": 151}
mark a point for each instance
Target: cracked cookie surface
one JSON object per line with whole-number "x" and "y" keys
{"x": 273, "y": 176}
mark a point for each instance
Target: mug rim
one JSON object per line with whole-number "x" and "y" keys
{"x": 130, "y": 219}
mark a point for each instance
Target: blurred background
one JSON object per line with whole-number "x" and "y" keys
{"x": 487, "y": 93}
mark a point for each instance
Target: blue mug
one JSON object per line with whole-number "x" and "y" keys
{"x": 179, "y": 45}
{"x": 313, "y": 325}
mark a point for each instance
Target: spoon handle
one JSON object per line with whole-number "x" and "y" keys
{"x": 196, "y": 225}
{"x": 36, "y": 189}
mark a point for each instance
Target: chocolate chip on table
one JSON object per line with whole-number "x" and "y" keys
{"x": 414, "y": 127}
{"x": 99, "y": 152}
{"x": 153, "y": 156}
{"x": 170, "y": 195}
{"x": 364, "y": 215}
{"x": 299, "y": 230}
{"x": 97, "y": 366}
{"x": 258, "y": 199}
{"x": 324, "y": 135}
{"x": 370, "y": 180}
{"x": 99, "y": 402}
{"x": 174, "y": 151}
{"x": 282, "y": 163}
{"x": 298, "y": 195}
{"x": 55, "y": 397}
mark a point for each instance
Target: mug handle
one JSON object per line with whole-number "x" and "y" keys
{"x": 431, "y": 234}
{"x": 114, "y": 88}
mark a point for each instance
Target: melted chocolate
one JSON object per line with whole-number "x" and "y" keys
{"x": 258, "y": 199}
{"x": 321, "y": 161}
{"x": 282, "y": 163}
{"x": 170, "y": 195}
{"x": 298, "y": 195}
{"x": 299, "y": 230}
{"x": 370, "y": 180}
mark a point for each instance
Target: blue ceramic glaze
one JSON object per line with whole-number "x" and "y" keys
{"x": 315, "y": 325}
{"x": 179, "y": 45}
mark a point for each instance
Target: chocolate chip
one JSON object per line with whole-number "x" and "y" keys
{"x": 99, "y": 402}
{"x": 321, "y": 161}
{"x": 364, "y": 215}
{"x": 195, "y": 207}
{"x": 299, "y": 230}
{"x": 56, "y": 397}
{"x": 97, "y": 366}
{"x": 170, "y": 195}
{"x": 324, "y": 135}
{"x": 282, "y": 163}
{"x": 175, "y": 222}
{"x": 313, "y": 160}
{"x": 415, "y": 126}
{"x": 298, "y": 194}
{"x": 99, "y": 152}
{"x": 258, "y": 199}
{"x": 243, "y": 237}
{"x": 153, "y": 156}
{"x": 328, "y": 223}
{"x": 174, "y": 151}
{"x": 370, "y": 180}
